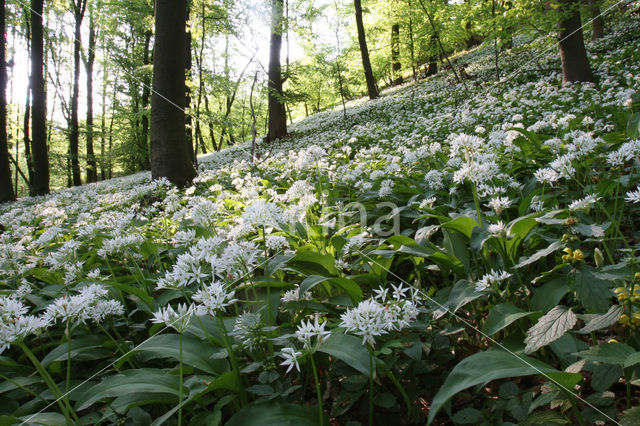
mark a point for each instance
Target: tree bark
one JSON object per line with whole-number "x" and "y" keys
{"x": 92, "y": 169}
{"x": 40, "y": 182}
{"x": 187, "y": 96}
{"x": 573, "y": 55}
{"x": 396, "y": 66}
{"x": 277, "y": 112}
{"x": 146, "y": 94}
{"x": 6, "y": 190}
{"x": 364, "y": 52}
{"x": 169, "y": 154}
{"x": 596, "y": 20}
{"x": 79, "y": 7}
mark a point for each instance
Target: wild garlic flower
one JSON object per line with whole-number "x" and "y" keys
{"x": 290, "y": 356}
{"x": 307, "y": 331}
{"x": 584, "y": 203}
{"x": 368, "y": 320}
{"x": 276, "y": 242}
{"x": 212, "y": 298}
{"x": 294, "y": 295}
{"x": 497, "y": 229}
{"x": 177, "y": 319}
{"x": 17, "y": 328}
{"x": 492, "y": 279}
{"x": 633, "y": 196}
{"x": 248, "y": 329}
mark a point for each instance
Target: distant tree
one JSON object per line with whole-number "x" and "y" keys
{"x": 364, "y": 52}
{"x": 573, "y": 55}
{"x": 396, "y": 65}
{"x": 78, "y": 8}
{"x": 169, "y": 152}
{"x": 40, "y": 182}
{"x": 6, "y": 190}
{"x": 92, "y": 167}
{"x": 597, "y": 21}
{"x": 277, "y": 112}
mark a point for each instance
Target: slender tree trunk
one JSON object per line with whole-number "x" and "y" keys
{"x": 79, "y": 7}
{"x": 200, "y": 64}
{"x": 412, "y": 49}
{"x": 40, "y": 182}
{"x": 210, "y": 123}
{"x": 433, "y": 57}
{"x": 92, "y": 169}
{"x": 27, "y": 110}
{"x": 6, "y": 190}
{"x": 277, "y": 113}
{"x": 364, "y": 52}
{"x": 573, "y": 55}
{"x": 187, "y": 95}
{"x": 597, "y": 21}
{"x": 170, "y": 157}
{"x": 103, "y": 127}
{"x": 146, "y": 94}
{"x": 396, "y": 66}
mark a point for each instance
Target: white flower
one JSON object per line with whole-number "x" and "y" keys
{"x": 176, "y": 319}
{"x": 498, "y": 204}
{"x": 306, "y": 331}
{"x": 497, "y": 229}
{"x": 633, "y": 196}
{"x": 290, "y": 358}
{"x": 294, "y": 295}
{"x": 276, "y": 242}
{"x": 213, "y": 297}
{"x": 584, "y": 203}
{"x": 368, "y": 320}
{"x": 493, "y": 278}
{"x": 248, "y": 329}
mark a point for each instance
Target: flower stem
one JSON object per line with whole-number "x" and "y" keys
{"x": 232, "y": 358}
{"x": 476, "y": 201}
{"x": 315, "y": 377}
{"x": 180, "y": 389}
{"x": 371, "y": 371}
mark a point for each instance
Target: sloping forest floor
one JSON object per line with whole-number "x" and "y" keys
{"x": 457, "y": 253}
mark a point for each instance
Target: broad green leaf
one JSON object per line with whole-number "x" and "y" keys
{"x": 551, "y": 326}
{"x": 276, "y": 414}
{"x": 483, "y": 367}
{"x": 609, "y": 353}
{"x": 544, "y": 418}
{"x": 311, "y": 262}
{"x": 348, "y": 349}
{"x": 633, "y": 126}
{"x": 462, "y": 224}
{"x": 630, "y": 417}
{"x": 467, "y": 416}
{"x": 45, "y": 418}
{"x": 604, "y": 375}
{"x": 462, "y": 293}
{"x": 349, "y": 286}
{"x": 591, "y": 291}
{"x": 603, "y": 321}
{"x": 15, "y": 382}
{"x": 501, "y": 316}
{"x": 549, "y": 294}
{"x": 80, "y": 345}
{"x": 130, "y": 382}
{"x": 133, "y": 290}
{"x": 632, "y": 359}
{"x": 540, "y": 254}
{"x": 195, "y": 352}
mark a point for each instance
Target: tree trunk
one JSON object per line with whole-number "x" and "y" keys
{"x": 40, "y": 182}
{"x": 433, "y": 57}
{"x": 412, "y": 49}
{"x": 6, "y": 190}
{"x": 573, "y": 55}
{"x": 364, "y": 52}
{"x": 146, "y": 94}
{"x": 596, "y": 20}
{"x": 92, "y": 169}
{"x": 277, "y": 113}
{"x": 169, "y": 153}
{"x": 27, "y": 111}
{"x": 396, "y": 66}
{"x": 79, "y": 7}
{"x": 187, "y": 95}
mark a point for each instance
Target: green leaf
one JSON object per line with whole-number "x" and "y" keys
{"x": 136, "y": 291}
{"x": 349, "y": 349}
{"x": 276, "y": 414}
{"x": 632, "y": 359}
{"x": 467, "y": 416}
{"x": 544, "y": 418}
{"x": 630, "y": 417}
{"x": 633, "y": 126}
{"x": 609, "y": 353}
{"x": 551, "y": 326}
{"x": 603, "y": 321}
{"x": 501, "y": 316}
{"x": 140, "y": 380}
{"x": 349, "y": 286}
{"x": 604, "y": 375}
{"x": 47, "y": 418}
{"x": 462, "y": 293}
{"x": 549, "y": 295}
{"x": 483, "y": 367}
{"x": 462, "y": 224}
{"x": 195, "y": 352}
{"x": 80, "y": 345}
{"x": 311, "y": 262}
{"x": 591, "y": 291}
{"x": 540, "y": 254}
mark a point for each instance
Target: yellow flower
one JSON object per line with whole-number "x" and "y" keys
{"x": 578, "y": 255}
{"x": 624, "y": 320}
{"x": 621, "y": 293}
{"x": 636, "y": 318}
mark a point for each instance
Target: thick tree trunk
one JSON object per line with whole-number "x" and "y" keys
{"x": 596, "y": 20}
{"x": 40, "y": 182}
{"x": 146, "y": 94}
{"x": 396, "y": 66}
{"x": 573, "y": 55}
{"x": 169, "y": 154}
{"x": 277, "y": 112}
{"x": 364, "y": 52}
{"x": 6, "y": 190}
{"x": 92, "y": 169}
{"x": 79, "y": 7}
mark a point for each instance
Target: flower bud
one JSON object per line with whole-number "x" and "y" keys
{"x": 598, "y": 257}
